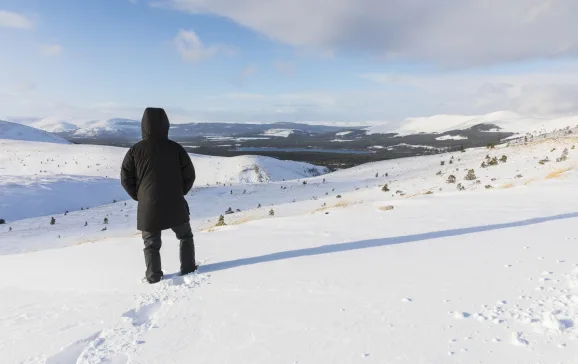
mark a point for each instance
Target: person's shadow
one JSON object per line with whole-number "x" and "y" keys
{"x": 366, "y": 244}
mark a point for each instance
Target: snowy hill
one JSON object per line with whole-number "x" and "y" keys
{"x": 505, "y": 121}
{"x": 38, "y": 179}
{"x": 13, "y": 131}
{"x": 479, "y": 270}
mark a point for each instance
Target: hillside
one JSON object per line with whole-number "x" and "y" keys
{"x": 505, "y": 121}
{"x": 37, "y": 179}
{"x": 14, "y": 131}
{"x": 345, "y": 272}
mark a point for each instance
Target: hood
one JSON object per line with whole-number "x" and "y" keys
{"x": 155, "y": 124}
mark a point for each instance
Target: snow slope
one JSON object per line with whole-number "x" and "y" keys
{"x": 505, "y": 120}
{"x": 446, "y": 276}
{"x": 13, "y": 131}
{"x": 38, "y": 179}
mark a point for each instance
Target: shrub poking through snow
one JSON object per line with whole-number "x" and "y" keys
{"x": 259, "y": 206}
{"x": 271, "y": 212}
{"x": 52, "y": 221}
{"x": 439, "y": 173}
{"x": 488, "y": 187}
{"x": 105, "y": 222}
{"x": 451, "y": 161}
{"x": 338, "y": 196}
{"x": 544, "y": 161}
{"x": 519, "y": 176}
{"x": 2, "y": 221}
{"x": 461, "y": 187}
{"x": 462, "y": 149}
{"x": 229, "y": 211}
{"x": 504, "y": 159}
{"x": 385, "y": 188}
{"x": 221, "y": 221}
{"x": 573, "y": 147}
{"x": 103, "y": 229}
{"x": 304, "y": 182}
{"x": 491, "y": 146}
{"x": 564, "y": 156}
{"x": 86, "y": 223}
{"x": 443, "y": 163}
{"x": 452, "y": 179}
{"x": 493, "y": 162}
{"x": 471, "y": 175}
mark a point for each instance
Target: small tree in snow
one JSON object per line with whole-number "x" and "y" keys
{"x": 385, "y": 188}
{"x": 271, "y": 212}
{"x": 471, "y": 175}
{"x": 504, "y": 159}
{"x": 221, "y": 221}
{"x": 452, "y": 179}
{"x": 493, "y": 162}
{"x": 564, "y": 156}
{"x": 52, "y": 221}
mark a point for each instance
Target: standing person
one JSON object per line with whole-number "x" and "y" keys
{"x": 158, "y": 173}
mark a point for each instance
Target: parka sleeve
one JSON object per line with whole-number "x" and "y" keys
{"x": 187, "y": 171}
{"x": 128, "y": 175}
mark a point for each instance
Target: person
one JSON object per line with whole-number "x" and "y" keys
{"x": 158, "y": 173}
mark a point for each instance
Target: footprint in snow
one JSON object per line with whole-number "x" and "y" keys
{"x": 143, "y": 314}
{"x": 518, "y": 339}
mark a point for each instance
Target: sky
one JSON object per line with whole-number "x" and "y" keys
{"x": 361, "y": 61}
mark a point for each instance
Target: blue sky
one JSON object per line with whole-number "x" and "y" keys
{"x": 286, "y": 60}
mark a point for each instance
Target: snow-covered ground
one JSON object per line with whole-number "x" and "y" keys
{"x": 342, "y": 273}
{"x": 452, "y": 137}
{"x": 14, "y": 131}
{"x": 284, "y": 133}
{"x": 37, "y": 179}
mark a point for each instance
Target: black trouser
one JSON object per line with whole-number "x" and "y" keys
{"x": 152, "y": 242}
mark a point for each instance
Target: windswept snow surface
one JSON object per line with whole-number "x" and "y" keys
{"x": 39, "y": 179}
{"x": 284, "y": 133}
{"x": 507, "y": 121}
{"x": 452, "y": 137}
{"x": 427, "y": 274}
{"x": 13, "y": 131}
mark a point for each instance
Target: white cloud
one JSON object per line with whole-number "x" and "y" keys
{"x": 287, "y": 68}
{"x": 548, "y": 92}
{"x": 51, "y": 50}
{"x": 450, "y": 32}
{"x": 14, "y": 20}
{"x": 192, "y": 49}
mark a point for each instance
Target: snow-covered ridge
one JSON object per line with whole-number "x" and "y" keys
{"x": 505, "y": 120}
{"x": 41, "y": 178}
{"x": 13, "y": 131}
{"x": 284, "y": 133}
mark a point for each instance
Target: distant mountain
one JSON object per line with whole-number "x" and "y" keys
{"x": 130, "y": 130}
{"x": 503, "y": 121}
{"x": 14, "y": 131}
